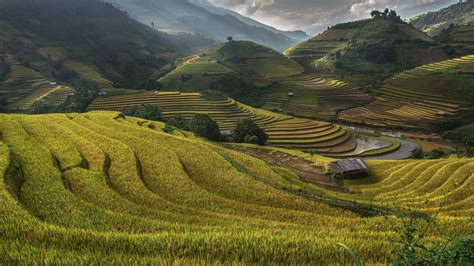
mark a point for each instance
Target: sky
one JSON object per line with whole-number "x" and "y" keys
{"x": 313, "y": 16}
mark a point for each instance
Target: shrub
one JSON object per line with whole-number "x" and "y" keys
{"x": 204, "y": 126}
{"x": 148, "y": 112}
{"x": 213, "y": 95}
{"x": 247, "y": 131}
{"x": 178, "y": 121}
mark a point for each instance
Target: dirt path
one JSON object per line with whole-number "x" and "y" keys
{"x": 297, "y": 165}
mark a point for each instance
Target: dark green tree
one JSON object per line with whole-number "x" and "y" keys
{"x": 247, "y": 131}
{"x": 204, "y": 126}
{"x": 178, "y": 121}
{"x": 147, "y": 111}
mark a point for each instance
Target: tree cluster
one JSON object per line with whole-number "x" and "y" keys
{"x": 387, "y": 14}
{"x": 247, "y": 131}
{"x": 202, "y": 125}
{"x": 147, "y": 111}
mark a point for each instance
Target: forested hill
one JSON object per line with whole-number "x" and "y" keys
{"x": 90, "y": 31}
{"x": 434, "y": 22}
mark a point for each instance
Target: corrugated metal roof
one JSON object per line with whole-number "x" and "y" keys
{"x": 348, "y": 165}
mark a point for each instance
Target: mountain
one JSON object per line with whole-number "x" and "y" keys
{"x": 200, "y": 17}
{"x": 434, "y": 22}
{"x": 381, "y": 45}
{"x": 49, "y": 42}
{"x": 296, "y": 35}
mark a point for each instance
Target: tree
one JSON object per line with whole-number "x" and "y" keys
{"x": 247, "y": 131}
{"x": 229, "y": 39}
{"x": 148, "y": 112}
{"x": 204, "y": 126}
{"x": 178, "y": 121}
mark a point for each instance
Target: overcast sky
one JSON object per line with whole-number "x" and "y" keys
{"x": 315, "y": 15}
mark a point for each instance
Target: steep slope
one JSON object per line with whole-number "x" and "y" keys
{"x": 66, "y": 41}
{"x": 374, "y": 46}
{"x": 83, "y": 188}
{"x": 434, "y": 22}
{"x": 185, "y": 16}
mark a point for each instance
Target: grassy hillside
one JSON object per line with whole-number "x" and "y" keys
{"x": 370, "y": 47}
{"x": 422, "y": 96}
{"x": 434, "y": 22}
{"x": 77, "y": 43}
{"x": 94, "y": 187}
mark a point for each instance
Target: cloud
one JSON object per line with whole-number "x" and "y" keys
{"x": 315, "y": 15}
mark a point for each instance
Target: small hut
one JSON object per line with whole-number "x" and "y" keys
{"x": 349, "y": 168}
{"x": 291, "y": 94}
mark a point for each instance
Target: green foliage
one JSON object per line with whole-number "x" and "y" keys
{"x": 178, "y": 121}
{"x": 213, "y": 95}
{"x": 413, "y": 249}
{"x": 153, "y": 85}
{"x": 146, "y": 111}
{"x": 464, "y": 135}
{"x": 240, "y": 89}
{"x": 247, "y": 131}
{"x": 379, "y": 52}
{"x": 204, "y": 126}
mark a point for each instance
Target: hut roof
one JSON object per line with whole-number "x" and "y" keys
{"x": 349, "y": 165}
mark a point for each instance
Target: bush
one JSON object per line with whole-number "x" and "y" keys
{"x": 178, "y": 121}
{"x": 212, "y": 95}
{"x": 247, "y": 131}
{"x": 148, "y": 112}
{"x": 204, "y": 126}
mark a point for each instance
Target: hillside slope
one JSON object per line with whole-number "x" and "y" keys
{"x": 262, "y": 77}
{"x": 371, "y": 47}
{"x": 187, "y": 16}
{"x": 83, "y": 188}
{"x": 434, "y": 22}
{"x": 74, "y": 42}
{"x": 418, "y": 98}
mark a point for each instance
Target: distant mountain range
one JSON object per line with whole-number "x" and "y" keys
{"x": 434, "y": 22}
{"x": 202, "y": 18}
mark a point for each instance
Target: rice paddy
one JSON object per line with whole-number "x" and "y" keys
{"x": 283, "y": 130}
{"x": 424, "y": 94}
{"x": 96, "y": 188}
{"x": 314, "y": 96}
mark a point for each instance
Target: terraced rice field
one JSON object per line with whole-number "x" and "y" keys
{"x": 314, "y": 97}
{"x": 424, "y": 186}
{"x": 24, "y": 86}
{"x": 59, "y": 95}
{"x": 424, "y": 94}
{"x": 284, "y": 131}
{"x": 197, "y": 65}
{"x": 94, "y": 187}
{"x": 306, "y": 53}
{"x": 88, "y": 72}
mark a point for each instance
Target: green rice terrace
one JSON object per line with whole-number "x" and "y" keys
{"x": 101, "y": 188}
{"x": 250, "y": 60}
{"x": 283, "y": 130}
{"x": 420, "y": 95}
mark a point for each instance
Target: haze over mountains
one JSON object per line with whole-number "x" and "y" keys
{"x": 203, "y": 18}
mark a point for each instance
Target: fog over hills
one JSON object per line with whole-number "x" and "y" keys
{"x": 201, "y": 17}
